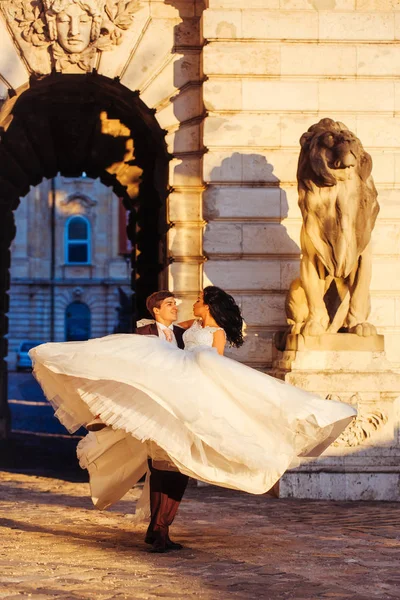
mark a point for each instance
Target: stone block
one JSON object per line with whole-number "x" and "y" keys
{"x": 386, "y": 238}
{"x": 280, "y": 95}
{"x": 389, "y": 201}
{"x": 167, "y": 118}
{"x": 392, "y": 342}
{"x": 112, "y": 64}
{"x": 185, "y": 139}
{"x": 385, "y": 274}
{"x": 396, "y": 158}
{"x": 384, "y": 5}
{"x": 187, "y": 32}
{"x": 226, "y": 24}
{"x": 397, "y": 95}
{"x": 323, "y": 382}
{"x": 222, "y": 94}
{"x": 231, "y": 58}
{"x": 242, "y": 4}
{"x": 336, "y": 342}
{"x": 184, "y": 205}
{"x": 384, "y": 166}
{"x": 184, "y": 277}
{"x": 271, "y": 238}
{"x": 334, "y": 25}
{"x": 180, "y": 8}
{"x": 243, "y": 274}
{"x": 161, "y": 87}
{"x": 378, "y": 60}
{"x": 279, "y": 25}
{"x": 377, "y": 131}
{"x": 223, "y": 238}
{"x": 290, "y": 270}
{"x": 270, "y": 166}
{"x": 184, "y": 241}
{"x": 245, "y": 202}
{"x": 153, "y": 50}
{"x": 233, "y": 130}
{"x": 118, "y": 270}
{"x": 340, "y": 486}
{"x": 257, "y": 348}
{"x": 310, "y": 59}
{"x": 268, "y": 309}
{"x": 222, "y": 166}
{"x": 317, "y": 4}
{"x": 185, "y": 171}
{"x": 186, "y": 68}
{"x": 383, "y": 311}
{"x": 290, "y": 202}
{"x": 371, "y": 95}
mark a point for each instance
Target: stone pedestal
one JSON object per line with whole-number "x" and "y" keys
{"x": 364, "y": 463}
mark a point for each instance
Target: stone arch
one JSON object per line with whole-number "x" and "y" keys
{"x": 160, "y": 62}
{"x": 102, "y": 129}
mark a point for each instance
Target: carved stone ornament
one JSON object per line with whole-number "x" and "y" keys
{"x": 362, "y": 428}
{"x": 82, "y": 199}
{"x": 67, "y": 35}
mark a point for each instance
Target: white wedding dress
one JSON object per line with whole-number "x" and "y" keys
{"x": 215, "y": 419}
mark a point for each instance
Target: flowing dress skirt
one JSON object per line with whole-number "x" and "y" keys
{"x": 215, "y": 419}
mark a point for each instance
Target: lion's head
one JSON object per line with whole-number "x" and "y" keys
{"x": 329, "y": 148}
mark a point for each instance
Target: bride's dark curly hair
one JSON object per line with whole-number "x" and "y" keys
{"x": 225, "y": 312}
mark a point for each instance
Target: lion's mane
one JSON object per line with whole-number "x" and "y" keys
{"x": 337, "y": 195}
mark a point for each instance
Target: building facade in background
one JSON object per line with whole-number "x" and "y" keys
{"x": 88, "y": 265}
{"x": 209, "y": 99}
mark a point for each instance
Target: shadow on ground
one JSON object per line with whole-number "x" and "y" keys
{"x": 40, "y": 454}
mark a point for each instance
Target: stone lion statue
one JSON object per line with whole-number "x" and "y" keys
{"x": 338, "y": 201}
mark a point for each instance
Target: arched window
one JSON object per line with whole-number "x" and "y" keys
{"x": 77, "y": 322}
{"x": 77, "y": 241}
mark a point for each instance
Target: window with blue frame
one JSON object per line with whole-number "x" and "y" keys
{"x": 77, "y": 241}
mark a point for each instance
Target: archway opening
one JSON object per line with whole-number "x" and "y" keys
{"x": 74, "y": 124}
{"x": 77, "y": 322}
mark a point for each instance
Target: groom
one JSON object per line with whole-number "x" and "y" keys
{"x": 167, "y": 484}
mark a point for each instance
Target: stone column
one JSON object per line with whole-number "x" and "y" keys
{"x": 7, "y": 232}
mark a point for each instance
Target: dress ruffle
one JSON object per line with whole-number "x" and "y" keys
{"x": 217, "y": 420}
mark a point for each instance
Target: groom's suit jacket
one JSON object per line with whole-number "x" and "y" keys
{"x": 152, "y": 329}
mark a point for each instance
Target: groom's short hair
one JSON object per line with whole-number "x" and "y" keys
{"x": 155, "y": 300}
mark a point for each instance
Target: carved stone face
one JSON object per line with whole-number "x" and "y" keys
{"x": 73, "y": 28}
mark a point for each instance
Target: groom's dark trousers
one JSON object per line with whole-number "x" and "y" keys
{"x": 166, "y": 486}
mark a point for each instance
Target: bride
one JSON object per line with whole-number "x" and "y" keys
{"x": 216, "y": 419}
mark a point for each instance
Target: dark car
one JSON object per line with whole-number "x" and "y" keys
{"x": 23, "y": 359}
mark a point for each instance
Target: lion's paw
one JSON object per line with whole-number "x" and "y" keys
{"x": 313, "y": 328}
{"x": 363, "y": 329}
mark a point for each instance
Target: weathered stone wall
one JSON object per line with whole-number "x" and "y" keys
{"x": 271, "y": 69}
{"x": 275, "y": 67}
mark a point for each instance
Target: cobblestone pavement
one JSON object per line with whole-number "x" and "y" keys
{"x": 237, "y": 546}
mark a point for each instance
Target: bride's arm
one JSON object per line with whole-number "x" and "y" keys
{"x": 219, "y": 341}
{"x": 186, "y": 324}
